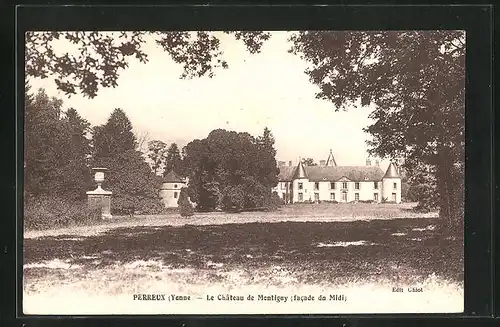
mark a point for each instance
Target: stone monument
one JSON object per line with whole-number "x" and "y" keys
{"x": 99, "y": 197}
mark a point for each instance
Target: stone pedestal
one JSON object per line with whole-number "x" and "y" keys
{"x": 100, "y": 198}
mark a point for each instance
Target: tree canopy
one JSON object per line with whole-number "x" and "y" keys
{"x": 157, "y": 151}
{"x": 49, "y": 168}
{"x": 173, "y": 160}
{"x": 130, "y": 178}
{"x": 231, "y": 171}
{"x": 100, "y": 56}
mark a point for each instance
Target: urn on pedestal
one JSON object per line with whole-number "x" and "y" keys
{"x": 99, "y": 197}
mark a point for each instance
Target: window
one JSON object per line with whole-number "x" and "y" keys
{"x": 344, "y": 185}
{"x": 375, "y": 185}
{"x": 332, "y": 185}
{"x": 283, "y": 186}
{"x": 175, "y": 185}
{"x": 316, "y": 197}
{"x": 394, "y": 185}
{"x": 356, "y": 196}
{"x": 356, "y": 186}
{"x": 375, "y": 196}
{"x": 344, "y": 196}
{"x": 394, "y": 197}
{"x": 301, "y": 197}
{"x": 332, "y": 196}
{"x": 175, "y": 195}
{"x": 300, "y": 186}
{"x": 316, "y": 186}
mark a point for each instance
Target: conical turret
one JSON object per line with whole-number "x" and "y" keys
{"x": 392, "y": 171}
{"x": 300, "y": 171}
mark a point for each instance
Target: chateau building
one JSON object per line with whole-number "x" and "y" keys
{"x": 329, "y": 182}
{"x": 171, "y": 189}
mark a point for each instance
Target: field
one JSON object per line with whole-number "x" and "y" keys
{"x": 362, "y": 251}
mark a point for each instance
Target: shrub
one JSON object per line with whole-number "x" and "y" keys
{"x": 366, "y": 201}
{"x": 128, "y": 205}
{"x": 425, "y": 195}
{"x": 185, "y": 206}
{"x": 51, "y": 212}
{"x": 274, "y": 202}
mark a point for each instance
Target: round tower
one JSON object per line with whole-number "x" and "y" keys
{"x": 391, "y": 184}
{"x": 170, "y": 189}
{"x": 300, "y": 184}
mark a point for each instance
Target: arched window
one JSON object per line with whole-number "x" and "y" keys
{"x": 175, "y": 185}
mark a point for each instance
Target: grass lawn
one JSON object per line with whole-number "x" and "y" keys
{"x": 300, "y": 250}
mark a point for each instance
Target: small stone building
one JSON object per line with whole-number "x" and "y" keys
{"x": 171, "y": 189}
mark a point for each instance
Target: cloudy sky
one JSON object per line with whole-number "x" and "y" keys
{"x": 267, "y": 89}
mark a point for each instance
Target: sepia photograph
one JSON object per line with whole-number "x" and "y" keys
{"x": 243, "y": 172}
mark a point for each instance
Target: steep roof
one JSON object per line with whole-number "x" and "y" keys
{"x": 391, "y": 172}
{"x": 331, "y": 160}
{"x": 335, "y": 173}
{"x": 300, "y": 172}
{"x": 172, "y": 177}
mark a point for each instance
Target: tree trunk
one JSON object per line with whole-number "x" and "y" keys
{"x": 442, "y": 177}
{"x": 450, "y": 191}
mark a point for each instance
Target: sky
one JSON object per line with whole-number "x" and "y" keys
{"x": 257, "y": 90}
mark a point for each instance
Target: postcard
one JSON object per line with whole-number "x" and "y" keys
{"x": 244, "y": 172}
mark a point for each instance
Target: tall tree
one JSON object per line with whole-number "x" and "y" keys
{"x": 134, "y": 185}
{"x": 173, "y": 160}
{"x": 267, "y": 159}
{"x": 56, "y": 149}
{"x": 41, "y": 146}
{"x": 416, "y": 82}
{"x": 76, "y": 169}
{"x": 115, "y": 136}
{"x": 157, "y": 154}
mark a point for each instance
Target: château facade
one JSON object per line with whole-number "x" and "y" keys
{"x": 329, "y": 182}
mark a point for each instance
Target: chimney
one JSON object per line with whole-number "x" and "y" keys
{"x": 368, "y": 162}
{"x": 322, "y": 163}
{"x": 290, "y": 163}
